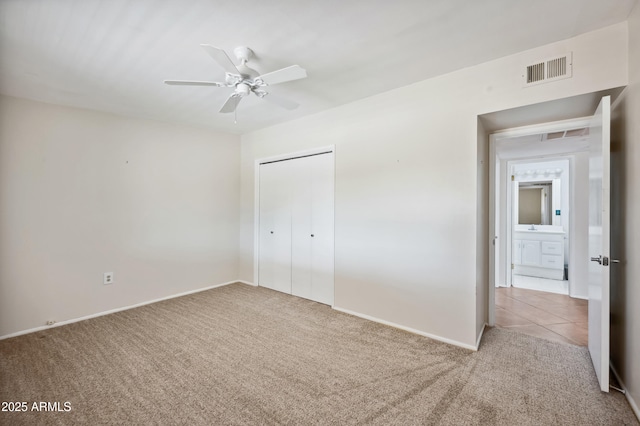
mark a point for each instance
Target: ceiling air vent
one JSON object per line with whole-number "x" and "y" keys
{"x": 565, "y": 134}
{"x": 555, "y": 135}
{"x": 551, "y": 69}
{"x": 577, "y": 132}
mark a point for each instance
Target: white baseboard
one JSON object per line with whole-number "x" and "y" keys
{"x": 410, "y": 330}
{"x": 112, "y": 311}
{"x": 632, "y": 403}
{"x": 247, "y": 283}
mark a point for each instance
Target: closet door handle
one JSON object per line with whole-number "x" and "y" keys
{"x": 312, "y": 235}
{"x": 272, "y": 232}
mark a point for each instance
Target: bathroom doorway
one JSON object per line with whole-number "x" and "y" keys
{"x": 539, "y": 208}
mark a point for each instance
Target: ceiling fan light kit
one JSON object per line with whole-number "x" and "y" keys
{"x": 243, "y": 89}
{"x": 245, "y": 80}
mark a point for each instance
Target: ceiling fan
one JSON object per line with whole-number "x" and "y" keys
{"x": 245, "y": 80}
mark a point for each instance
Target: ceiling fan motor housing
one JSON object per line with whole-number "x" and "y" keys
{"x": 243, "y": 53}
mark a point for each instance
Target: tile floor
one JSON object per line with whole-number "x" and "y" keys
{"x": 547, "y": 315}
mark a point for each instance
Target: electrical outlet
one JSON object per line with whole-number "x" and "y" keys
{"x": 108, "y": 278}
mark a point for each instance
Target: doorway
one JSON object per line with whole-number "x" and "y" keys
{"x": 541, "y": 283}
{"x": 597, "y": 216}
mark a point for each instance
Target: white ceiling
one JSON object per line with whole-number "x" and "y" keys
{"x": 112, "y": 55}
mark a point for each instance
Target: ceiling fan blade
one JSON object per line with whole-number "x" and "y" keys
{"x": 283, "y": 102}
{"x": 231, "y": 104}
{"x": 221, "y": 57}
{"x": 294, "y": 72}
{"x": 193, "y": 83}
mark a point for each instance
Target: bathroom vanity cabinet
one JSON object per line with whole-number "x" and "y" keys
{"x": 539, "y": 253}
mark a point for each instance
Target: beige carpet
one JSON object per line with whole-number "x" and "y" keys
{"x": 245, "y": 355}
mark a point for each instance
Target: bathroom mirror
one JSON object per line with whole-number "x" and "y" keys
{"x": 535, "y": 203}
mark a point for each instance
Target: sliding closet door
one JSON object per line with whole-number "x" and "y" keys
{"x": 275, "y": 226}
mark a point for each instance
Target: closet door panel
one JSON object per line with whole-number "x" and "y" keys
{"x": 301, "y": 214}
{"x": 322, "y": 228}
{"x": 275, "y": 226}
{"x": 266, "y": 225}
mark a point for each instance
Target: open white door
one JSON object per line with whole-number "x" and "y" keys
{"x": 599, "y": 224}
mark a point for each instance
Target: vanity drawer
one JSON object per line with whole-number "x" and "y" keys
{"x": 551, "y": 261}
{"x": 551, "y": 247}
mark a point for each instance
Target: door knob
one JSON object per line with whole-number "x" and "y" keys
{"x": 597, "y": 259}
{"x": 272, "y": 232}
{"x": 312, "y": 235}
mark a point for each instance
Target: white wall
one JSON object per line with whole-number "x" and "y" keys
{"x": 625, "y": 224}
{"x": 83, "y": 193}
{"x": 407, "y": 182}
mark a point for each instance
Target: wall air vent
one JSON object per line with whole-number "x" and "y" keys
{"x": 557, "y": 67}
{"x": 551, "y": 69}
{"x": 535, "y": 73}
